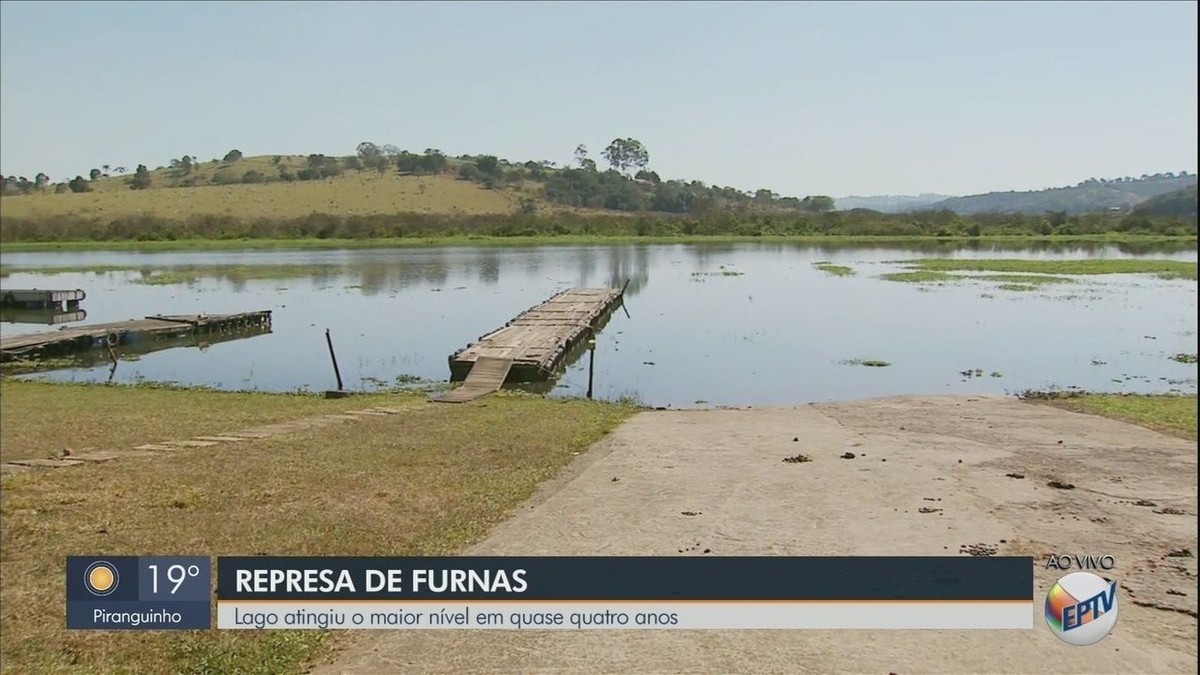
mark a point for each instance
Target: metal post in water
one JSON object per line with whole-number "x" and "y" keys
{"x": 591, "y": 362}
{"x": 333, "y": 358}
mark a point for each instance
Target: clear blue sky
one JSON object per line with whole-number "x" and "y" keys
{"x": 803, "y": 98}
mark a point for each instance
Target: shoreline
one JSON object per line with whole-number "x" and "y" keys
{"x": 569, "y": 240}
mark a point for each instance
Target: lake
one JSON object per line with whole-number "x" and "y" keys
{"x": 708, "y": 325}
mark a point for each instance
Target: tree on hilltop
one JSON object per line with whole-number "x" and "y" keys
{"x": 371, "y": 156}
{"x": 187, "y": 163}
{"x": 487, "y": 163}
{"x": 624, "y": 154}
{"x": 233, "y": 156}
{"x": 433, "y": 161}
{"x": 141, "y": 178}
{"x": 817, "y": 203}
{"x": 94, "y": 174}
{"x": 78, "y": 184}
{"x": 366, "y": 149}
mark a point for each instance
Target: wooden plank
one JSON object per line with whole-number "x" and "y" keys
{"x": 486, "y": 376}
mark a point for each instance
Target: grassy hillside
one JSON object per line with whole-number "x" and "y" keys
{"x": 353, "y": 193}
{"x": 1179, "y": 203}
{"x": 1087, "y": 197}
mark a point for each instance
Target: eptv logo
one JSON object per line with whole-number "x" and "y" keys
{"x": 1081, "y": 608}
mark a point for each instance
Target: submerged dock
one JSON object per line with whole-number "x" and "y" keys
{"x": 74, "y": 339}
{"x": 535, "y": 344}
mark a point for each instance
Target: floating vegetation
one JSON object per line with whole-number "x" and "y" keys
{"x": 919, "y": 276}
{"x": 870, "y": 363}
{"x": 835, "y": 270}
{"x": 1010, "y": 282}
{"x": 1023, "y": 278}
{"x": 1166, "y": 269}
{"x": 1183, "y": 358}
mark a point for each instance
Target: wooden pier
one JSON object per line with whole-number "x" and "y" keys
{"x": 37, "y": 298}
{"x": 539, "y": 339}
{"x": 74, "y": 339}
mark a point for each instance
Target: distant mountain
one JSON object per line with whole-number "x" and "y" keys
{"x": 888, "y": 203}
{"x": 1177, "y": 203}
{"x": 1092, "y": 195}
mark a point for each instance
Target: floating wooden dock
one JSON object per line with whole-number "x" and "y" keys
{"x": 73, "y": 339}
{"x": 37, "y": 298}
{"x": 539, "y": 339}
{"x": 92, "y": 358}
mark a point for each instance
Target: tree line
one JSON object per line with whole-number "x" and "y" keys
{"x": 859, "y": 222}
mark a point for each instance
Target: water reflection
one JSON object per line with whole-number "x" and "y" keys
{"x": 44, "y": 317}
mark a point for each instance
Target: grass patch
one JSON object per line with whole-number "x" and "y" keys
{"x": 427, "y": 481}
{"x": 1167, "y": 269}
{"x": 1169, "y": 413}
{"x": 918, "y": 276}
{"x": 20, "y": 366}
{"x": 835, "y": 270}
{"x": 115, "y": 416}
{"x": 1028, "y": 279}
{"x": 1017, "y": 287}
{"x": 1183, "y": 358}
{"x": 870, "y": 363}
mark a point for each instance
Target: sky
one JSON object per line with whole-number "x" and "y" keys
{"x": 800, "y": 98}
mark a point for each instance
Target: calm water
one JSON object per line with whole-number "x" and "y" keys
{"x": 779, "y": 332}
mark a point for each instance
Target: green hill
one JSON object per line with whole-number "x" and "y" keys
{"x": 1178, "y": 203}
{"x": 1090, "y": 196}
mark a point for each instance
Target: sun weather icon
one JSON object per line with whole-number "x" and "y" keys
{"x": 101, "y": 578}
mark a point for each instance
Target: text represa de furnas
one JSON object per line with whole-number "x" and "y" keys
{"x": 381, "y": 581}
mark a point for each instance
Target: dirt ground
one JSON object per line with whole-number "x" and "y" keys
{"x": 727, "y": 465}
